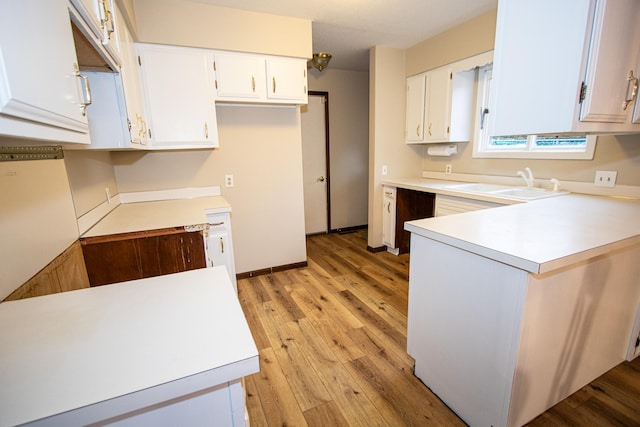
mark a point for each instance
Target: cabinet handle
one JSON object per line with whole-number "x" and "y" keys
{"x": 389, "y": 207}
{"x": 418, "y": 130}
{"x": 206, "y": 130}
{"x": 430, "y": 126}
{"x": 634, "y": 91}
{"x": 253, "y": 84}
{"x": 274, "y": 84}
{"x": 106, "y": 22}
{"x": 86, "y": 92}
{"x": 221, "y": 245}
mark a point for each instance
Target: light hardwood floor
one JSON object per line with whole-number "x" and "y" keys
{"x": 332, "y": 340}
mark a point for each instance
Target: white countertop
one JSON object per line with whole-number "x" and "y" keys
{"x": 542, "y": 235}
{"x": 153, "y": 215}
{"x": 122, "y": 344}
{"x": 444, "y": 187}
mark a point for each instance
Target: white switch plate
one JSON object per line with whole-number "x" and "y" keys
{"x": 605, "y": 178}
{"x": 384, "y": 169}
{"x": 228, "y": 181}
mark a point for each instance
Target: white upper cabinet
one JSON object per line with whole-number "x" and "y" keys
{"x": 99, "y": 16}
{"x": 178, "y": 91}
{"x": 564, "y": 67}
{"x": 415, "y": 108}
{"x": 246, "y": 77}
{"x": 239, "y": 76}
{"x": 132, "y": 85}
{"x": 438, "y": 108}
{"x": 287, "y": 80}
{"x": 440, "y": 102}
{"x": 42, "y": 94}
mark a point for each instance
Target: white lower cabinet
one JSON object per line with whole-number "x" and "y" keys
{"x": 389, "y": 217}
{"x": 448, "y": 205}
{"x": 219, "y": 244}
{"x": 178, "y": 92}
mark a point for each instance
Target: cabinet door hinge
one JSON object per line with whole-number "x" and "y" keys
{"x": 450, "y": 76}
{"x": 139, "y": 61}
{"x": 214, "y": 66}
{"x": 150, "y": 133}
{"x": 216, "y": 84}
{"x": 583, "y": 92}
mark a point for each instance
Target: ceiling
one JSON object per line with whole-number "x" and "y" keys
{"x": 348, "y": 28}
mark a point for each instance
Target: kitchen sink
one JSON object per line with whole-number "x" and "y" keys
{"x": 479, "y": 187}
{"x": 519, "y": 193}
{"x": 528, "y": 193}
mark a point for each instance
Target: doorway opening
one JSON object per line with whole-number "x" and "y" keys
{"x": 315, "y": 163}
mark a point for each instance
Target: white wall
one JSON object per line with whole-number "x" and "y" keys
{"x": 197, "y": 24}
{"x": 349, "y": 142}
{"x": 387, "y": 146}
{"x": 89, "y": 173}
{"x": 261, "y": 147}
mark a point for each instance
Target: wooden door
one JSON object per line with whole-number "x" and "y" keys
{"x": 315, "y": 163}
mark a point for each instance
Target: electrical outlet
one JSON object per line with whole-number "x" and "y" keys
{"x": 605, "y": 178}
{"x": 228, "y": 181}
{"x": 384, "y": 169}
{"x": 447, "y": 168}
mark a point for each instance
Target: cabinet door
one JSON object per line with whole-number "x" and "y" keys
{"x": 612, "y": 58}
{"x": 287, "y": 79}
{"x": 131, "y": 84}
{"x": 178, "y": 93}
{"x": 107, "y": 114}
{"x": 220, "y": 244}
{"x": 438, "y": 105}
{"x": 239, "y": 76}
{"x": 389, "y": 217}
{"x": 39, "y": 74}
{"x": 415, "y": 108}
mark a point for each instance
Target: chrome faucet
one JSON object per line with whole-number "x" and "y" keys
{"x": 529, "y": 178}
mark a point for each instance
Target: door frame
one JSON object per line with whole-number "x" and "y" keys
{"x": 327, "y": 151}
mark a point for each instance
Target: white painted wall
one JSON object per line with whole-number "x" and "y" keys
{"x": 387, "y": 146}
{"x": 197, "y": 24}
{"x": 349, "y": 142}
{"x": 261, "y": 147}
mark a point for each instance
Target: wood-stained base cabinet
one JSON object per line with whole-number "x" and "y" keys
{"x": 66, "y": 272}
{"x": 410, "y": 205}
{"x": 128, "y": 256}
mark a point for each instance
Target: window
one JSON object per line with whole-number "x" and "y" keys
{"x": 523, "y": 146}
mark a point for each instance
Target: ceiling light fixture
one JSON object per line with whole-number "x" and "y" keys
{"x": 320, "y": 60}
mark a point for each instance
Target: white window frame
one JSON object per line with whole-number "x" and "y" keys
{"x": 481, "y": 148}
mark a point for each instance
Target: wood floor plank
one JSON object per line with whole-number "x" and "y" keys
{"x": 330, "y": 305}
{"x": 332, "y": 343}
{"x": 287, "y": 307}
{"x": 378, "y": 302}
{"x": 327, "y": 414}
{"x": 308, "y": 389}
{"x": 253, "y": 403}
{"x": 372, "y": 320}
{"x": 279, "y": 406}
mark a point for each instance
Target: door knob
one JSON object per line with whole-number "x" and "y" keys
{"x": 321, "y": 179}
